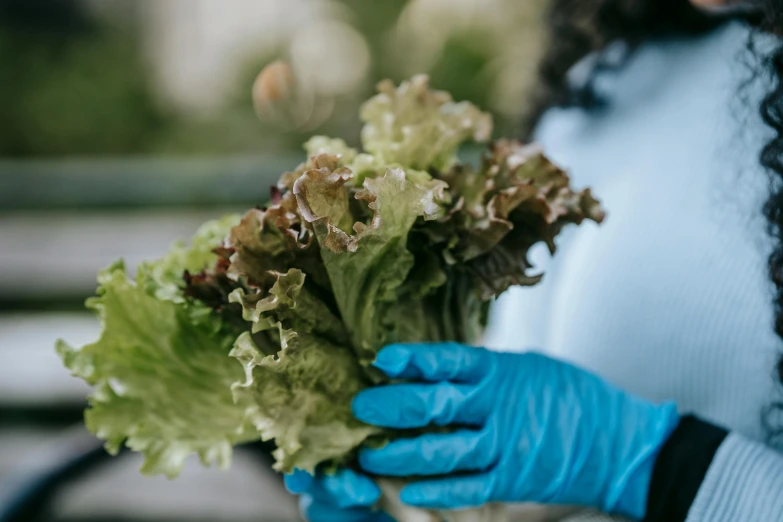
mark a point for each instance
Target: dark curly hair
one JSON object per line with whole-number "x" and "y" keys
{"x": 578, "y": 28}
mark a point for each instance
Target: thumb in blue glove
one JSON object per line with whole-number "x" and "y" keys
{"x": 528, "y": 428}
{"x": 343, "y": 496}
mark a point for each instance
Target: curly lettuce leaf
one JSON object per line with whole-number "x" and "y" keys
{"x": 300, "y": 396}
{"x": 367, "y": 262}
{"x": 360, "y": 163}
{"x": 290, "y": 303}
{"x": 415, "y": 127}
{"x": 318, "y": 145}
{"x": 163, "y": 277}
{"x": 516, "y": 199}
{"x": 162, "y": 377}
{"x": 274, "y": 239}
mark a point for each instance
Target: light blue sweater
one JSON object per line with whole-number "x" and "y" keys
{"x": 670, "y": 298}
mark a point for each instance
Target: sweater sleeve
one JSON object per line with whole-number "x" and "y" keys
{"x": 744, "y": 482}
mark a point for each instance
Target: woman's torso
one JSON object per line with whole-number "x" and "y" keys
{"x": 669, "y": 298}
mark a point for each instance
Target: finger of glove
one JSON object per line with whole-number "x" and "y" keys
{"x": 418, "y": 405}
{"x": 347, "y": 488}
{"x": 434, "y": 362}
{"x": 432, "y": 454}
{"x": 298, "y": 481}
{"x": 314, "y": 510}
{"x": 451, "y": 493}
{"x": 344, "y": 488}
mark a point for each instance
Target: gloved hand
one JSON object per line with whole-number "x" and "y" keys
{"x": 342, "y": 497}
{"x": 528, "y": 429}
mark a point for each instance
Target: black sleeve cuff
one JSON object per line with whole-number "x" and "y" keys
{"x": 680, "y": 469}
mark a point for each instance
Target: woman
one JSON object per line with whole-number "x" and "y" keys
{"x": 665, "y": 410}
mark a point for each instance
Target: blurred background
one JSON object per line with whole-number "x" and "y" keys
{"x": 124, "y": 124}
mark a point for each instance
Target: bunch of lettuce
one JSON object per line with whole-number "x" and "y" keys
{"x": 264, "y": 326}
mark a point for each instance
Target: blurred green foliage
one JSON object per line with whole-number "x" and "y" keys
{"x": 73, "y": 83}
{"x": 461, "y": 65}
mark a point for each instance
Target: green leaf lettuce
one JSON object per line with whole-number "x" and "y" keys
{"x": 160, "y": 370}
{"x": 266, "y": 325}
{"x": 301, "y": 388}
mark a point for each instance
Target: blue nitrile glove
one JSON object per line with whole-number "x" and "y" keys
{"x": 345, "y": 496}
{"x": 528, "y": 429}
